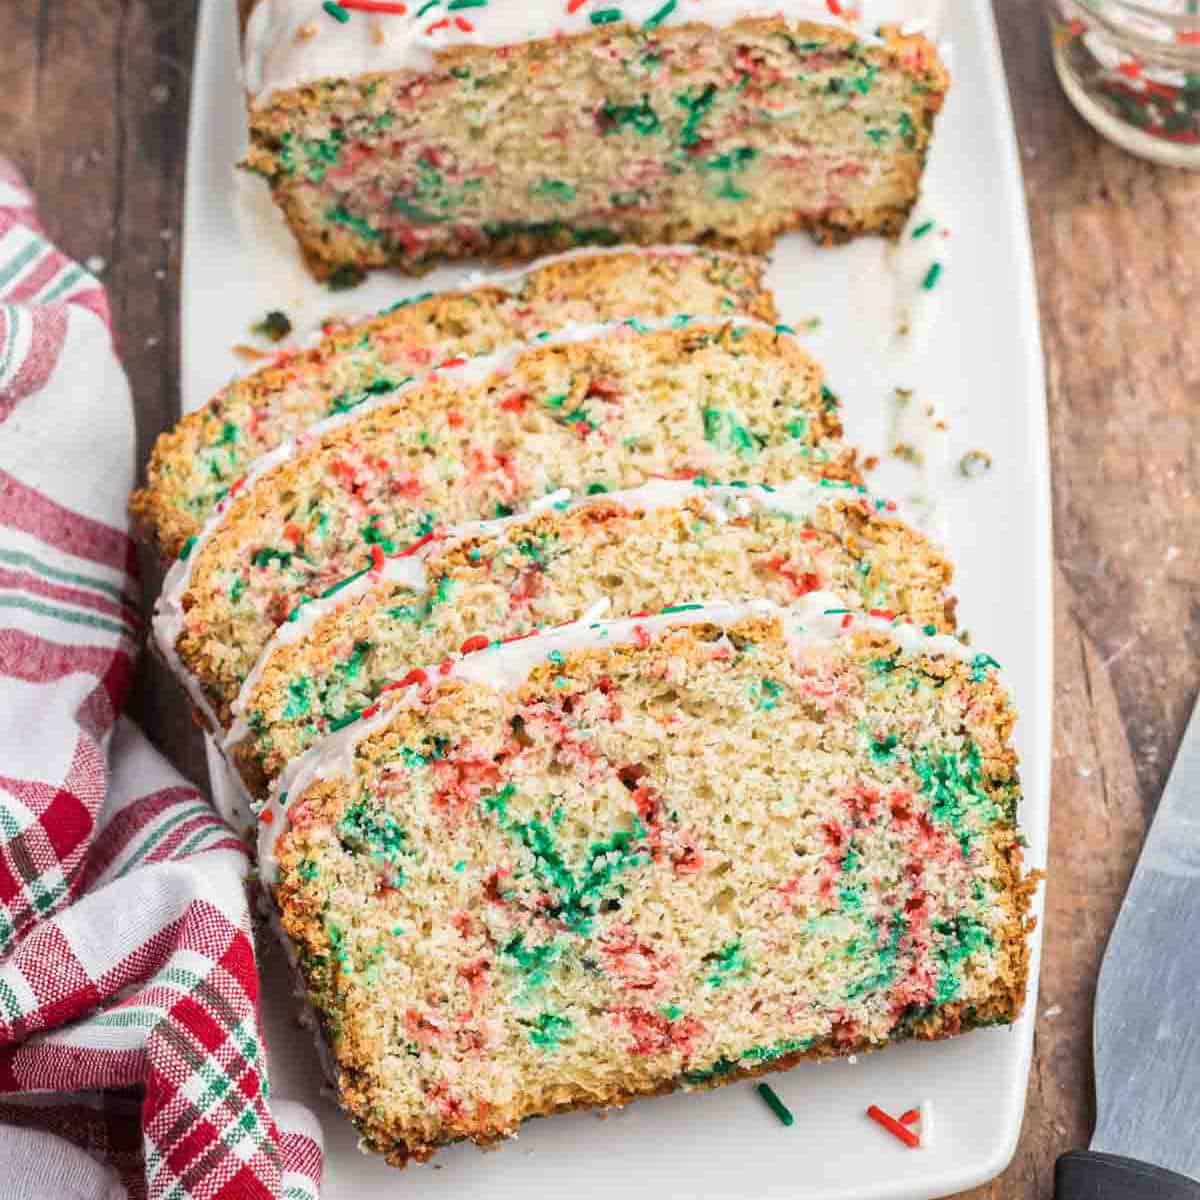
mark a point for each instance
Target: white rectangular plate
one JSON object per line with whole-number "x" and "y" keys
{"x": 974, "y": 353}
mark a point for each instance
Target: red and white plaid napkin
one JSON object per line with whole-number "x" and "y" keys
{"x": 128, "y": 985}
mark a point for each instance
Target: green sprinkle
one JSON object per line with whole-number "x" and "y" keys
{"x": 606, "y": 16}
{"x": 415, "y": 213}
{"x": 697, "y": 108}
{"x": 657, "y": 18}
{"x": 264, "y": 556}
{"x": 188, "y": 547}
{"x": 555, "y": 189}
{"x": 336, "y": 11}
{"x": 929, "y": 630}
{"x": 777, "y": 1106}
{"x": 340, "y": 215}
{"x": 672, "y": 1012}
{"x": 362, "y": 830}
{"x": 461, "y": 865}
{"x": 884, "y": 749}
{"x": 979, "y": 666}
{"x": 454, "y": 5}
{"x": 596, "y": 489}
{"x": 641, "y": 118}
{"x": 275, "y": 326}
{"x": 427, "y": 6}
{"x": 397, "y": 930}
{"x": 550, "y": 1030}
{"x": 922, "y": 230}
{"x": 677, "y": 608}
{"x": 932, "y": 276}
{"x": 729, "y": 962}
{"x": 765, "y": 695}
{"x": 781, "y": 328}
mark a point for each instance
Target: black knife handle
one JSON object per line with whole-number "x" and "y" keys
{"x": 1089, "y": 1175}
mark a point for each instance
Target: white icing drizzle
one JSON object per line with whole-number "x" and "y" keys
{"x": 288, "y": 43}
{"x": 798, "y": 499}
{"x": 167, "y": 624}
{"x": 816, "y": 619}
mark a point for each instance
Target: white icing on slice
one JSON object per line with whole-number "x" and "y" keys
{"x": 816, "y": 619}
{"x": 291, "y": 42}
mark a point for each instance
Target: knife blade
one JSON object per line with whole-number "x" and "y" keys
{"x": 1146, "y": 1027}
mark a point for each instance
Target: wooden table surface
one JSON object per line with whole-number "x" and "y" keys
{"x": 94, "y": 110}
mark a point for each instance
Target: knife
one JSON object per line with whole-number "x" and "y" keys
{"x": 1146, "y": 1029}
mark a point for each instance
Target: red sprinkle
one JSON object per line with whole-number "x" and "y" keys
{"x": 846, "y": 620}
{"x": 370, "y": 711}
{"x": 464, "y": 24}
{"x": 414, "y": 676}
{"x": 383, "y": 6}
{"x": 515, "y": 403}
{"x": 911, "y": 1117}
{"x": 478, "y": 642}
{"x": 409, "y": 551}
{"x": 573, "y": 6}
{"x": 893, "y": 1126}
{"x": 461, "y": 359}
{"x": 267, "y": 816}
{"x": 444, "y": 23}
{"x": 834, "y": 7}
{"x": 444, "y": 666}
{"x": 885, "y": 613}
{"x": 377, "y": 557}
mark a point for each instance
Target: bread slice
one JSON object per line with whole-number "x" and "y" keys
{"x": 607, "y": 408}
{"x": 623, "y": 858}
{"x": 195, "y": 464}
{"x": 591, "y": 126}
{"x": 670, "y": 542}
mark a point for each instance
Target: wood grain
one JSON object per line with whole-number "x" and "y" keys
{"x": 94, "y": 110}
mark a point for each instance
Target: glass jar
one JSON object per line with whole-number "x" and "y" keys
{"x": 1132, "y": 69}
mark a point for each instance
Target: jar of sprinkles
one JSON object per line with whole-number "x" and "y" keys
{"x": 1132, "y": 69}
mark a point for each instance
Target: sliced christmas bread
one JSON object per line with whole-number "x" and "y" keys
{"x": 622, "y": 858}
{"x": 606, "y": 408}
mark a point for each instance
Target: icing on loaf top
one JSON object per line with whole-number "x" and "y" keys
{"x": 292, "y": 42}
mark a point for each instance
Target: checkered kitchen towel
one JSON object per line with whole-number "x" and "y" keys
{"x": 128, "y": 985}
